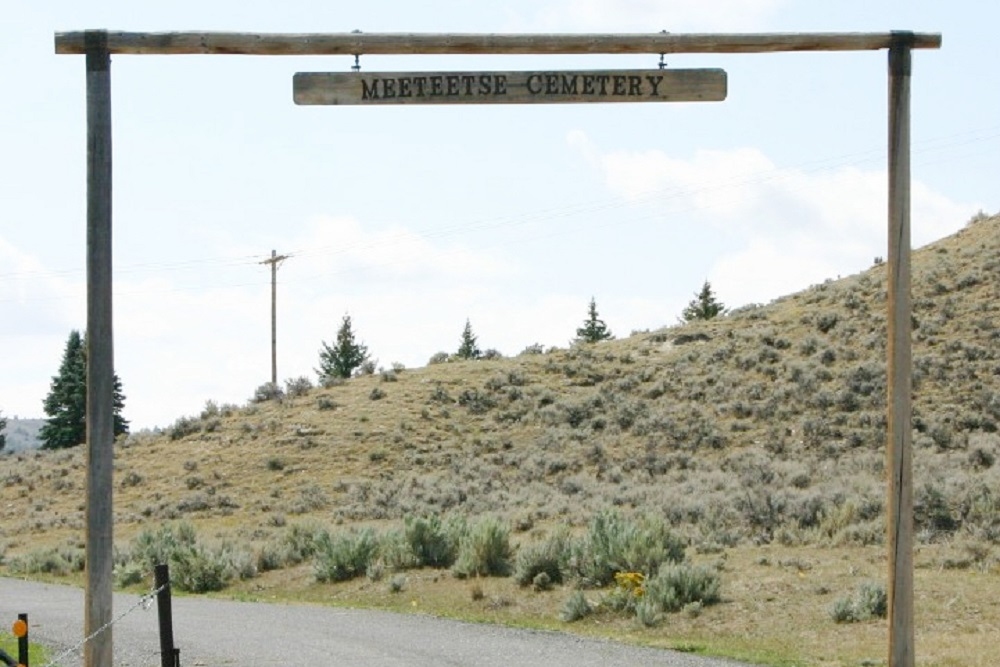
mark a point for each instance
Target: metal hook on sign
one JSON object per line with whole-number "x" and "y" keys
{"x": 663, "y": 63}
{"x": 357, "y": 57}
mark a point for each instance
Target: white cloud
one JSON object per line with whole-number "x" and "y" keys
{"x": 657, "y": 15}
{"x": 25, "y": 283}
{"x": 765, "y": 268}
{"x": 791, "y": 227}
{"x": 340, "y": 248}
{"x": 39, "y": 308}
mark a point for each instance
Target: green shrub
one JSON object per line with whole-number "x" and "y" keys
{"x": 295, "y": 546}
{"x": 299, "y": 386}
{"x": 157, "y": 546}
{"x": 242, "y": 562}
{"x": 549, "y": 558}
{"x": 59, "y": 561}
{"x": 184, "y": 426}
{"x": 842, "y": 610}
{"x": 869, "y": 601}
{"x": 872, "y": 601}
{"x": 826, "y": 321}
{"x": 344, "y": 556}
{"x": 575, "y": 607}
{"x": 475, "y": 402}
{"x": 129, "y": 573}
{"x": 194, "y": 567}
{"x": 199, "y": 570}
{"x": 269, "y": 391}
{"x": 397, "y": 584}
{"x": 272, "y": 555}
{"x": 541, "y": 582}
{"x": 678, "y": 585}
{"x": 648, "y": 612}
{"x": 931, "y": 510}
{"x": 394, "y": 551}
{"x": 301, "y": 542}
{"x": 441, "y": 395}
{"x": 432, "y": 542}
{"x": 484, "y": 550}
{"x": 615, "y": 544}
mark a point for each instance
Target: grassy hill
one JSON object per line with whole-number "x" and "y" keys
{"x": 754, "y": 434}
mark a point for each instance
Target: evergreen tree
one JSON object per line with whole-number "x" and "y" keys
{"x": 704, "y": 306}
{"x": 340, "y": 360}
{"x": 594, "y": 329}
{"x": 3, "y": 434}
{"x": 66, "y": 403}
{"x": 468, "y": 349}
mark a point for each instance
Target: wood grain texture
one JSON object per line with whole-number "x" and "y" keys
{"x": 100, "y": 359}
{"x": 276, "y": 44}
{"x": 520, "y": 87}
{"x": 899, "y": 454}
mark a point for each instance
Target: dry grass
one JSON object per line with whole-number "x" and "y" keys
{"x": 758, "y": 436}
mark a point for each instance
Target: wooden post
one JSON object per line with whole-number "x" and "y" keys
{"x": 899, "y": 465}
{"x": 169, "y": 655}
{"x": 100, "y": 356}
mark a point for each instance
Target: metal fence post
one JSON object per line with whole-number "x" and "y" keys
{"x": 169, "y": 655}
{"x": 22, "y": 640}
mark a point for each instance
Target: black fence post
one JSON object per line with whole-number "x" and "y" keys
{"x": 169, "y": 655}
{"x": 22, "y": 640}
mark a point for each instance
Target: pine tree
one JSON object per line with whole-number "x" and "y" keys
{"x": 66, "y": 403}
{"x": 468, "y": 349}
{"x": 594, "y": 329}
{"x": 704, "y": 306}
{"x": 340, "y": 360}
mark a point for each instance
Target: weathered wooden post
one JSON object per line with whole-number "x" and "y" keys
{"x": 100, "y": 356}
{"x": 899, "y": 464}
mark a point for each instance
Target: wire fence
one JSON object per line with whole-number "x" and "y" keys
{"x": 144, "y": 602}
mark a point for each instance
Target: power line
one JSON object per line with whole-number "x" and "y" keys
{"x": 931, "y": 149}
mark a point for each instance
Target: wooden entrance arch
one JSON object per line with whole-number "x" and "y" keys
{"x": 99, "y": 45}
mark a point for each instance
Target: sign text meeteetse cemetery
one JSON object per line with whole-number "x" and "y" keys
{"x": 540, "y": 87}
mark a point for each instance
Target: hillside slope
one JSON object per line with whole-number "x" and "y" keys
{"x": 767, "y": 424}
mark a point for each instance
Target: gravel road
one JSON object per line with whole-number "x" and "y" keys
{"x": 215, "y": 633}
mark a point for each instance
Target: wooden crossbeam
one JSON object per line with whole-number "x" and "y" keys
{"x": 289, "y": 44}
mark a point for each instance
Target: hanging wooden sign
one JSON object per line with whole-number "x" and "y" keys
{"x": 540, "y": 87}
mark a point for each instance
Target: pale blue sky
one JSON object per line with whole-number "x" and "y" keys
{"x": 413, "y": 219}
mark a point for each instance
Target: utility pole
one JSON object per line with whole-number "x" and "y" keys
{"x": 274, "y": 261}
